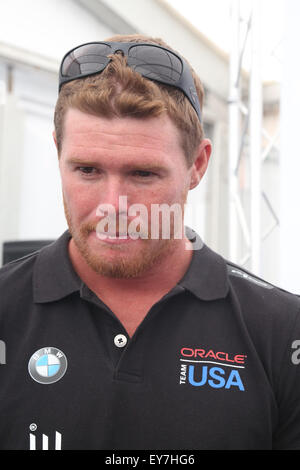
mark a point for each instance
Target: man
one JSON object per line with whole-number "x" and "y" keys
{"x": 117, "y": 336}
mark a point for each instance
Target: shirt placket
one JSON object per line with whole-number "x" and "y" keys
{"x": 128, "y": 353}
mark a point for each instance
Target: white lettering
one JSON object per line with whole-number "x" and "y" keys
{"x": 183, "y": 374}
{"x": 2, "y": 352}
{"x": 45, "y": 441}
{"x": 116, "y": 460}
{"x": 296, "y": 354}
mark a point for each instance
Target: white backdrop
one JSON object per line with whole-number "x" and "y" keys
{"x": 290, "y": 152}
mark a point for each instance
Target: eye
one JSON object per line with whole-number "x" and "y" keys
{"x": 143, "y": 173}
{"x": 86, "y": 170}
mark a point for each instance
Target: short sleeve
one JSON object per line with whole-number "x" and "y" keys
{"x": 287, "y": 433}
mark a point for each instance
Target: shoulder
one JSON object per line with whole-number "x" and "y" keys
{"x": 16, "y": 292}
{"x": 245, "y": 282}
{"x": 16, "y": 276}
{"x": 263, "y": 305}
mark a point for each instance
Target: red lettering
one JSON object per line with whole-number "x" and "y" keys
{"x": 227, "y": 358}
{"x": 220, "y": 358}
{"x": 240, "y": 358}
{"x": 210, "y": 353}
{"x": 199, "y": 352}
{"x": 190, "y": 352}
{"x": 220, "y": 355}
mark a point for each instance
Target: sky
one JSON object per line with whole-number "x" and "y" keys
{"x": 212, "y": 18}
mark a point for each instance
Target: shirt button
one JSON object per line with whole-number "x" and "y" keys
{"x": 120, "y": 341}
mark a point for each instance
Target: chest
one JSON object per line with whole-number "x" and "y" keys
{"x": 187, "y": 380}
{"x": 130, "y": 311}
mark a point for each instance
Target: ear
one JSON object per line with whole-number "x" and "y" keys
{"x": 55, "y": 141}
{"x": 201, "y": 163}
{"x": 54, "y": 138}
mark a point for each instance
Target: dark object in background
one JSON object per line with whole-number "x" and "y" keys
{"x": 18, "y": 249}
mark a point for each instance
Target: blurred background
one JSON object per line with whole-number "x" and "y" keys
{"x": 246, "y": 54}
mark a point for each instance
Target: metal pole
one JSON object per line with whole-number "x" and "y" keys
{"x": 256, "y": 112}
{"x": 234, "y": 129}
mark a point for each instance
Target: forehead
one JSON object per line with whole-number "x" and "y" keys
{"x": 153, "y": 138}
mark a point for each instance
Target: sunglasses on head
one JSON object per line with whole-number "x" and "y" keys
{"x": 150, "y": 60}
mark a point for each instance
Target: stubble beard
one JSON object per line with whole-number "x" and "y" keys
{"x": 121, "y": 266}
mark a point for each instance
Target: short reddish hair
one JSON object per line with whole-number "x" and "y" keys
{"x": 119, "y": 91}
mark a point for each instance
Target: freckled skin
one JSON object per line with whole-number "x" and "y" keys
{"x": 137, "y": 158}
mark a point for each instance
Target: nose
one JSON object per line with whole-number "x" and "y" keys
{"x": 113, "y": 198}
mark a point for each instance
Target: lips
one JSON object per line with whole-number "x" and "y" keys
{"x": 113, "y": 236}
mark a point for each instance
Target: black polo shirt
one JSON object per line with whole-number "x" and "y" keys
{"x": 212, "y": 366}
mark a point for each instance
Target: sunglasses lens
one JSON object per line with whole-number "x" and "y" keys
{"x": 86, "y": 59}
{"x": 155, "y": 63}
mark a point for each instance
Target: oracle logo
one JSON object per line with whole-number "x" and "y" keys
{"x": 210, "y": 354}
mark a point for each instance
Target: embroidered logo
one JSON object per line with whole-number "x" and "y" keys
{"x": 200, "y": 367}
{"x": 43, "y": 441}
{"x": 47, "y": 365}
{"x": 238, "y": 273}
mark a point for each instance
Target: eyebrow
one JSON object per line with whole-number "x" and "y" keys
{"x": 80, "y": 161}
{"x": 141, "y": 165}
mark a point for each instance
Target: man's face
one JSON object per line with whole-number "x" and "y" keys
{"x": 102, "y": 159}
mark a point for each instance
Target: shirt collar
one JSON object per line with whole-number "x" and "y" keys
{"x": 207, "y": 275}
{"x": 54, "y": 276}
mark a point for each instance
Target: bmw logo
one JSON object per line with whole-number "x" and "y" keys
{"x": 47, "y": 365}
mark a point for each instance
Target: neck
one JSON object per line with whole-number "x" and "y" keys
{"x": 159, "y": 278}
